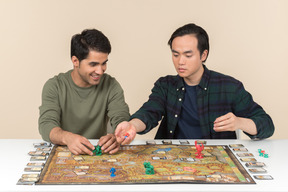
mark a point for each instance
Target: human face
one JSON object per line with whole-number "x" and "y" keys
{"x": 187, "y": 59}
{"x": 89, "y": 71}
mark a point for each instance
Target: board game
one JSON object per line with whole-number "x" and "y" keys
{"x": 172, "y": 164}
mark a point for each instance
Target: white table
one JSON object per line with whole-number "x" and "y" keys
{"x": 14, "y": 157}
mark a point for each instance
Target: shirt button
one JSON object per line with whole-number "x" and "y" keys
{"x": 183, "y": 88}
{"x": 176, "y": 115}
{"x": 177, "y": 89}
{"x": 171, "y": 131}
{"x": 180, "y": 99}
{"x": 205, "y": 88}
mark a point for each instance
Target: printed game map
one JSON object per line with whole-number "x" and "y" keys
{"x": 172, "y": 164}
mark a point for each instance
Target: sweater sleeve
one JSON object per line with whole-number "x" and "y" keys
{"x": 49, "y": 110}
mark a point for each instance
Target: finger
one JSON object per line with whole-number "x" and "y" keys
{"x": 104, "y": 139}
{"x": 115, "y": 150}
{"x": 106, "y": 146}
{"x": 85, "y": 150}
{"x": 111, "y": 147}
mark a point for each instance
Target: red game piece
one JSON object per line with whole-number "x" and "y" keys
{"x": 199, "y": 148}
{"x": 126, "y": 135}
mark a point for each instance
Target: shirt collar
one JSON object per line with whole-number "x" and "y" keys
{"x": 203, "y": 83}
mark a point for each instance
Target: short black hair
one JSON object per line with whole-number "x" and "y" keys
{"x": 199, "y": 32}
{"x": 89, "y": 39}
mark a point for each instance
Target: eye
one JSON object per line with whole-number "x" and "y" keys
{"x": 175, "y": 55}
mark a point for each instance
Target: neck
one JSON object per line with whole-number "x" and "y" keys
{"x": 195, "y": 78}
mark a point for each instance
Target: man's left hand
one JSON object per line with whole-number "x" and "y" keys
{"x": 109, "y": 144}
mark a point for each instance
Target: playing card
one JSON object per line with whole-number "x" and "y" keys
{"x": 33, "y": 169}
{"x": 150, "y": 142}
{"x": 255, "y": 164}
{"x": 244, "y": 154}
{"x": 257, "y": 170}
{"x": 248, "y": 159}
{"x": 236, "y": 146}
{"x": 263, "y": 177}
{"x": 240, "y": 149}
{"x": 38, "y": 158}
{"x": 183, "y": 142}
{"x": 167, "y": 142}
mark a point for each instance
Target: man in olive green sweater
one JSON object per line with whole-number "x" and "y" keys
{"x": 77, "y": 105}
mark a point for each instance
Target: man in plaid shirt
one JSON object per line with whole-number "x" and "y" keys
{"x": 198, "y": 103}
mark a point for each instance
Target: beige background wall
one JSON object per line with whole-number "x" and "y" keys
{"x": 248, "y": 41}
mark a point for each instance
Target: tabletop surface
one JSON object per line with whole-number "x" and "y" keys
{"x": 14, "y": 157}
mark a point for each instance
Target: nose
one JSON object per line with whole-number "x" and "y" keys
{"x": 182, "y": 60}
{"x": 99, "y": 70}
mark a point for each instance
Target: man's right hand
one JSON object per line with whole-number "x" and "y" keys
{"x": 77, "y": 144}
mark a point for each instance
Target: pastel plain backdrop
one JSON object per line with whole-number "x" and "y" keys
{"x": 248, "y": 40}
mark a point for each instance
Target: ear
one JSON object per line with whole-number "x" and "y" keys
{"x": 204, "y": 55}
{"x": 75, "y": 61}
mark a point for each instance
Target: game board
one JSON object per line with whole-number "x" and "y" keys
{"x": 172, "y": 164}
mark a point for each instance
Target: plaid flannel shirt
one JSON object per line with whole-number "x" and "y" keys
{"x": 217, "y": 94}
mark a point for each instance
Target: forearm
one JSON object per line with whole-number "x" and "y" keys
{"x": 58, "y": 135}
{"x": 247, "y": 125}
{"x": 138, "y": 124}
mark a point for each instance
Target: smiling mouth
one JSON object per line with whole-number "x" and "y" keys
{"x": 95, "y": 77}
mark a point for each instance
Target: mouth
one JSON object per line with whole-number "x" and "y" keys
{"x": 95, "y": 77}
{"x": 181, "y": 70}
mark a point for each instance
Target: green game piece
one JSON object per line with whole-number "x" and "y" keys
{"x": 147, "y": 164}
{"x": 149, "y": 168}
{"x": 97, "y": 151}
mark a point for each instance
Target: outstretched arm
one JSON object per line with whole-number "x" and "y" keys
{"x": 131, "y": 127}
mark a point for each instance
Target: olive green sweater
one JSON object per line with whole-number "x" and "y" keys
{"x": 84, "y": 111}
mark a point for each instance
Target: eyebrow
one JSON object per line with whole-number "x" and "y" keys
{"x": 185, "y": 52}
{"x": 96, "y": 63}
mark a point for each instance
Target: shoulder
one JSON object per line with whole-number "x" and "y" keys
{"x": 169, "y": 80}
{"x": 57, "y": 80}
{"x": 224, "y": 82}
{"x": 220, "y": 77}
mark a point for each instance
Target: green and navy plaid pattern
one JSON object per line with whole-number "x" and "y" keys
{"x": 217, "y": 94}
